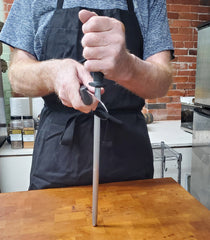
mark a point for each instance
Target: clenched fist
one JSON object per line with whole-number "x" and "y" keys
{"x": 104, "y": 46}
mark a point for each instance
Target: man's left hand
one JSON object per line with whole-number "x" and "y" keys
{"x": 104, "y": 45}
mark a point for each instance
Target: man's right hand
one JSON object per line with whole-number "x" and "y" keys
{"x": 30, "y": 77}
{"x": 70, "y": 75}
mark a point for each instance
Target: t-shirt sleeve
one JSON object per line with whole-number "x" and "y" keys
{"x": 157, "y": 35}
{"x": 18, "y": 30}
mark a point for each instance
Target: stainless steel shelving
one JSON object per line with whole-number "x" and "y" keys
{"x": 163, "y": 153}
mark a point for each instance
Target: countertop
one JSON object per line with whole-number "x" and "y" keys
{"x": 133, "y": 210}
{"x": 168, "y": 131}
{"x": 6, "y": 150}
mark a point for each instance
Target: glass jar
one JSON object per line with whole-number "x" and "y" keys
{"x": 28, "y": 122}
{"x": 28, "y": 132}
{"x": 16, "y": 127}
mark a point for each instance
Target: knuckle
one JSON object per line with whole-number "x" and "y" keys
{"x": 64, "y": 101}
{"x": 88, "y": 39}
{"x": 119, "y": 25}
{"x": 86, "y": 110}
{"x": 61, "y": 94}
{"x": 93, "y": 23}
{"x": 87, "y": 65}
{"x": 86, "y": 52}
{"x": 83, "y": 41}
{"x": 76, "y": 105}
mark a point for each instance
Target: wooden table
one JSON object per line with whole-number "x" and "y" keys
{"x": 148, "y": 209}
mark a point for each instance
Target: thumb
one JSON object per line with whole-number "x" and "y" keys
{"x": 85, "y": 15}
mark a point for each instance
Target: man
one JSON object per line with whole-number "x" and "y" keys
{"x": 130, "y": 46}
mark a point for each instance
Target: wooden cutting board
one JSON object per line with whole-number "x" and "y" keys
{"x": 146, "y": 209}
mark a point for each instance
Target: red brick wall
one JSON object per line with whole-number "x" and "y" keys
{"x": 7, "y": 6}
{"x": 184, "y": 18}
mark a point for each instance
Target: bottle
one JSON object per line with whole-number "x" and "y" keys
{"x": 16, "y": 127}
{"x": 28, "y": 132}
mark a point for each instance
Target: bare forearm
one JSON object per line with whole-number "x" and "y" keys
{"x": 147, "y": 79}
{"x": 30, "y": 77}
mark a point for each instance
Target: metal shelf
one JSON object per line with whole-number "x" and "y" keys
{"x": 162, "y": 152}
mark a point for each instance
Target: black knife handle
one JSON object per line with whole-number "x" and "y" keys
{"x": 86, "y": 97}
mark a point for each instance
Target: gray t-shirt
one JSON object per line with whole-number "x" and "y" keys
{"x": 26, "y": 25}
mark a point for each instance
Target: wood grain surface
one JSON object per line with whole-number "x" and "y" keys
{"x": 146, "y": 209}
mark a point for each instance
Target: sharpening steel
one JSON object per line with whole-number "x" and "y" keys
{"x": 87, "y": 99}
{"x": 98, "y": 83}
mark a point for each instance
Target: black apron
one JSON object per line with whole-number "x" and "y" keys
{"x": 63, "y": 151}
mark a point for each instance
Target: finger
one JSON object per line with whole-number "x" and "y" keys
{"x": 85, "y": 15}
{"x": 95, "y": 103}
{"x": 88, "y": 108}
{"x": 98, "y": 24}
{"x": 78, "y": 104}
{"x": 94, "y": 52}
{"x": 92, "y": 106}
{"x": 102, "y": 24}
{"x": 99, "y": 66}
{"x": 96, "y": 39}
{"x": 85, "y": 78}
{"x": 66, "y": 103}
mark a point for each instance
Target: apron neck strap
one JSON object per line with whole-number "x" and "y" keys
{"x": 130, "y": 5}
{"x": 60, "y": 4}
